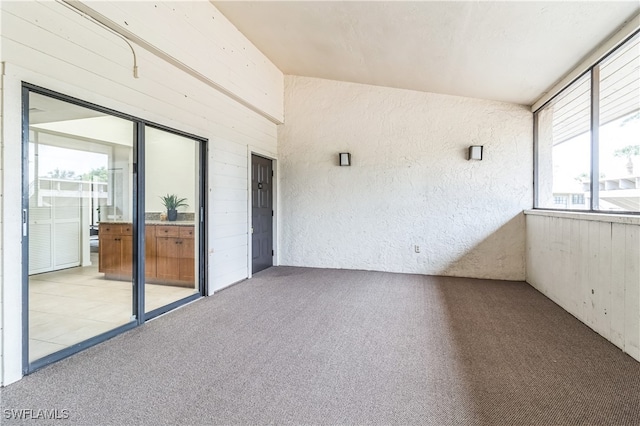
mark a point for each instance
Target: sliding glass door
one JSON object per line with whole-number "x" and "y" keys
{"x": 113, "y": 223}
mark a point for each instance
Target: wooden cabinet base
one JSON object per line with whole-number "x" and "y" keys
{"x": 185, "y": 284}
{"x": 169, "y": 253}
{"x": 155, "y": 280}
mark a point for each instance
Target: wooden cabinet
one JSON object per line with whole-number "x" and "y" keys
{"x": 167, "y": 258}
{"x": 169, "y": 253}
{"x": 187, "y": 255}
{"x": 175, "y": 261}
{"x": 116, "y": 250}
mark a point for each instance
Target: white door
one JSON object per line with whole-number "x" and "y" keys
{"x": 54, "y": 233}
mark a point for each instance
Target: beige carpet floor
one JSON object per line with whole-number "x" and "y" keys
{"x": 316, "y": 346}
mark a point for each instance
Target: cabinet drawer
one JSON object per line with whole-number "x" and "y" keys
{"x": 186, "y": 231}
{"x": 126, "y": 229}
{"x": 167, "y": 231}
{"x": 109, "y": 229}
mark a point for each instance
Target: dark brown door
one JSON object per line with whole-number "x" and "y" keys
{"x": 262, "y": 213}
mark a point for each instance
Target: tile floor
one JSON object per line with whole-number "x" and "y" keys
{"x": 72, "y": 305}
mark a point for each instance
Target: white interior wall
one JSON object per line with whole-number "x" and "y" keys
{"x": 3, "y": 316}
{"x": 589, "y": 265}
{"x": 410, "y": 183}
{"x": 171, "y": 168}
{"x": 46, "y": 44}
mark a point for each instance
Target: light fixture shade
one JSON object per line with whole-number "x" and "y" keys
{"x": 345, "y": 159}
{"x": 475, "y": 152}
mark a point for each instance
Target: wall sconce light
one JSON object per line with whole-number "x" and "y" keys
{"x": 345, "y": 159}
{"x": 475, "y": 152}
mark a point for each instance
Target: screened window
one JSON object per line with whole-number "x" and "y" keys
{"x": 564, "y": 140}
{"x": 619, "y": 132}
{"x": 588, "y": 138}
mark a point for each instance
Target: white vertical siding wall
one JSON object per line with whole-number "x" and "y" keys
{"x": 590, "y": 266}
{"x": 1, "y": 218}
{"x": 205, "y": 41}
{"x": 11, "y": 234}
{"x": 236, "y": 108}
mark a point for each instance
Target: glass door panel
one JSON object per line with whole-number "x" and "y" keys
{"x": 172, "y": 204}
{"x": 79, "y": 231}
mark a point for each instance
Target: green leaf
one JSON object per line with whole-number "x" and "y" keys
{"x": 172, "y": 202}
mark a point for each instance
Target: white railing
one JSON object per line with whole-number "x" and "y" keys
{"x": 56, "y": 187}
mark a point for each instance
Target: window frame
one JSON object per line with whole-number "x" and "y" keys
{"x": 594, "y": 73}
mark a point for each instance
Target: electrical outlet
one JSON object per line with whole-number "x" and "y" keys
{"x": 417, "y": 249}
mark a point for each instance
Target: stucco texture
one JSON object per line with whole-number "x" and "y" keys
{"x": 410, "y": 183}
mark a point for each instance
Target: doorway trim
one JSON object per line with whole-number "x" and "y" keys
{"x": 251, "y": 150}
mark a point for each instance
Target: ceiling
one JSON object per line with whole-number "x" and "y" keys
{"x": 43, "y": 109}
{"x": 499, "y": 50}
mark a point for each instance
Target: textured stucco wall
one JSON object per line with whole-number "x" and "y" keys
{"x": 410, "y": 183}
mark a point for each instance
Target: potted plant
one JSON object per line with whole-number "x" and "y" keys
{"x": 172, "y": 202}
